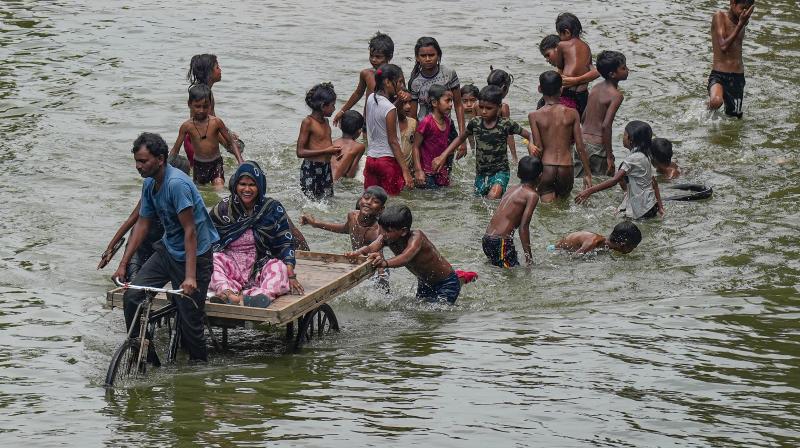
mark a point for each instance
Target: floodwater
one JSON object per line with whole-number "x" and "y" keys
{"x": 691, "y": 340}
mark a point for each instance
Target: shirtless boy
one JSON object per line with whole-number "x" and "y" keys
{"x": 205, "y": 131}
{"x": 555, "y": 127}
{"x": 381, "y": 51}
{"x": 661, "y": 156}
{"x": 436, "y": 278}
{"x": 726, "y": 82}
{"x": 514, "y": 212}
{"x": 361, "y": 224}
{"x": 352, "y": 123}
{"x": 604, "y": 101}
{"x": 624, "y": 238}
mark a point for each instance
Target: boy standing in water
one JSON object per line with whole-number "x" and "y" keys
{"x": 205, "y": 131}
{"x": 314, "y": 144}
{"x": 361, "y": 224}
{"x": 381, "y": 51}
{"x": 624, "y": 238}
{"x": 352, "y": 123}
{"x": 555, "y": 127}
{"x": 514, "y": 212}
{"x": 604, "y": 101}
{"x": 726, "y": 82}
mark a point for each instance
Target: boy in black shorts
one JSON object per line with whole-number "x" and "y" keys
{"x": 726, "y": 82}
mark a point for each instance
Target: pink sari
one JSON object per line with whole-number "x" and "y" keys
{"x": 233, "y": 265}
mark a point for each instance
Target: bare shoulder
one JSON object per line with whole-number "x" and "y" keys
{"x": 366, "y": 73}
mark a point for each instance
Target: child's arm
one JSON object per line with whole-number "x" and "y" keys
{"x": 532, "y": 149}
{"x": 329, "y": 226}
{"x": 608, "y": 123}
{"x": 359, "y": 151}
{"x": 572, "y": 81}
{"x": 372, "y": 248}
{"x": 462, "y": 151}
{"x": 357, "y": 94}
{"x": 719, "y": 28}
{"x": 583, "y": 196}
{"x": 394, "y": 143}
{"x": 536, "y": 137}
{"x": 223, "y": 130}
{"x": 303, "y": 152}
{"x": 178, "y": 142}
{"x": 415, "y": 154}
{"x": 123, "y": 229}
{"x": 505, "y": 112}
{"x": 439, "y": 162}
{"x": 412, "y": 249}
{"x": 658, "y": 197}
{"x": 577, "y": 134}
{"x": 524, "y": 227}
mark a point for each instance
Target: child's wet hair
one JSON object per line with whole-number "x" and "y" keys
{"x": 435, "y": 92}
{"x": 376, "y": 192}
{"x": 499, "y": 78}
{"x": 529, "y": 169}
{"x": 385, "y": 72}
{"x": 470, "y": 89}
{"x": 199, "y": 92}
{"x": 200, "y": 69}
{"x": 320, "y": 95}
{"x": 640, "y": 134}
{"x": 550, "y": 82}
{"x": 661, "y": 151}
{"x": 747, "y": 3}
{"x": 491, "y": 94}
{"x": 549, "y": 42}
{"x": 569, "y": 22}
{"x": 154, "y": 144}
{"x": 383, "y": 44}
{"x": 608, "y": 62}
{"x": 396, "y": 217}
{"x": 423, "y": 42}
{"x": 352, "y": 122}
{"x": 626, "y": 234}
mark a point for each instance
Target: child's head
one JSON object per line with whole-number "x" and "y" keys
{"x": 550, "y": 83}
{"x": 322, "y": 98}
{"x": 499, "y": 78}
{"x": 199, "y": 101}
{"x": 529, "y": 169}
{"x": 612, "y": 65}
{"x": 381, "y": 49}
{"x": 204, "y": 69}
{"x": 661, "y": 151}
{"x": 352, "y": 123}
{"x": 624, "y": 238}
{"x": 427, "y": 56}
{"x": 550, "y": 51}
{"x": 469, "y": 96}
{"x": 638, "y": 136}
{"x": 491, "y": 97}
{"x": 395, "y": 222}
{"x": 738, "y": 7}
{"x": 389, "y": 80}
{"x": 372, "y": 201}
{"x": 568, "y": 26}
{"x": 440, "y": 99}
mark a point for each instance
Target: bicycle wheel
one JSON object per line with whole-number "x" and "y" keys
{"x": 174, "y": 339}
{"x": 123, "y": 363}
{"x": 316, "y": 323}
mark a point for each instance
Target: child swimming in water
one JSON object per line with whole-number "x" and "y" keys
{"x": 491, "y": 132}
{"x": 431, "y": 140}
{"x": 436, "y": 279}
{"x": 347, "y": 165}
{"x": 601, "y": 109}
{"x": 206, "y": 131}
{"x": 502, "y": 79}
{"x": 381, "y": 51}
{"x": 314, "y": 144}
{"x": 662, "y": 159}
{"x": 642, "y": 196}
{"x": 555, "y": 127}
{"x": 469, "y": 100}
{"x": 360, "y": 224}
{"x": 726, "y": 81}
{"x": 624, "y": 238}
{"x": 514, "y": 212}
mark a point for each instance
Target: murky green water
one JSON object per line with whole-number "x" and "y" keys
{"x": 692, "y": 340}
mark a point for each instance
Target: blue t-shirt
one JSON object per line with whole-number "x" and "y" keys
{"x": 175, "y": 195}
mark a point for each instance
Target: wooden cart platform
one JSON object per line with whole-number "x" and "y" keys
{"x": 323, "y": 276}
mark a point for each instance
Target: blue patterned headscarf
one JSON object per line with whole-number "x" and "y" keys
{"x": 268, "y": 220}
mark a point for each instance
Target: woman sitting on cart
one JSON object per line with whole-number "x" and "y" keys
{"x": 254, "y": 258}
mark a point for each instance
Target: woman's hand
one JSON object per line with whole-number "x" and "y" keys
{"x": 295, "y": 287}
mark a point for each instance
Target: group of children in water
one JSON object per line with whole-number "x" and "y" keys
{"x": 412, "y": 140}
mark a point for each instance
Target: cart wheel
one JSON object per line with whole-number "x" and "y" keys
{"x": 314, "y": 324}
{"x": 123, "y": 363}
{"x": 290, "y": 330}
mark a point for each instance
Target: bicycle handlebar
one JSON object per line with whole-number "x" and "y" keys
{"x": 127, "y": 285}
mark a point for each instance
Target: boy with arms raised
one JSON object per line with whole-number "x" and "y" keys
{"x": 598, "y": 120}
{"x": 555, "y": 127}
{"x": 491, "y": 132}
{"x": 205, "y": 132}
{"x": 361, "y": 224}
{"x": 726, "y": 82}
{"x": 514, "y": 212}
{"x": 347, "y": 165}
{"x": 436, "y": 278}
{"x": 624, "y": 238}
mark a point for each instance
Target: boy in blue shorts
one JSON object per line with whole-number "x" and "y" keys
{"x": 491, "y": 133}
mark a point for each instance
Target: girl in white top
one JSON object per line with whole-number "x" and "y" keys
{"x": 383, "y": 134}
{"x": 642, "y": 198}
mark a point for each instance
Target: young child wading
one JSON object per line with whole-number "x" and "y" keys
{"x": 347, "y": 165}
{"x": 314, "y": 144}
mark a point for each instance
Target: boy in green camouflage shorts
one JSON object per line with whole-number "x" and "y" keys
{"x": 491, "y": 132}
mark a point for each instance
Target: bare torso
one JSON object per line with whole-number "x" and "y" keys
{"x": 600, "y": 99}
{"x": 319, "y": 137}
{"x": 428, "y": 265}
{"x": 509, "y": 213}
{"x": 581, "y": 242}
{"x": 555, "y": 125}
{"x": 205, "y": 138}
{"x": 361, "y": 234}
{"x": 730, "y": 60}
{"x": 347, "y": 165}
{"x": 577, "y": 60}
